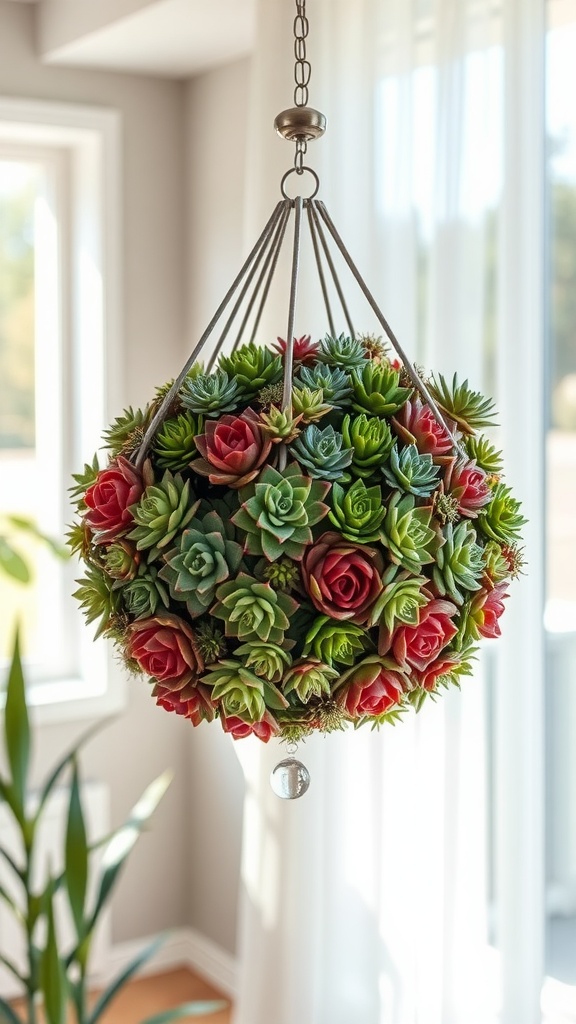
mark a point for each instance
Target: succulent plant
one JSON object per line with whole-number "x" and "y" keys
{"x": 357, "y": 512}
{"x": 309, "y": 678}
{"x": 205, "y": 556}
{"x": 372, "y": 687}
{"x": 278, "y": 510}
{"x": 370, "y": 439}
{"x": 459, "y": 562}
{"x": 468, "y": 408}
{"x": 342, "y": 352}
{"x": 271, "y": 394}
{"x": 407, "y": 533}
{"x": 496, "y": 565}
{"x": 502, "y": 520}
{"x": 322, "y": 452}
{"x": 252, "y": 610}
{"x": 305, "y": 350}
{"x": 266, "y": 660}
{"x": 446, "y": 507}
{"x": 175, "y": 444}
{"x": 233, "y": 449}
{"x": 126, "y": 432}
{"x": 98, "y": 599}
{"x": 164, "y": 510}
{"x": 281, "y": 575}
{"x": 308, "y": 404}
{"x": 331, "y": 641}
{"x": 121, "y": 561}
{"x": 239, "y": 691}
{"x": 376, "y": 390}
{"x": 484, "y": 453}
{"x": 415, "y": 423}
{"x": 280, "y": 426}
{"x": 145, "y": 593}
{"x": 467, "y": 483}
{"x": 410, "y": 471}
{"x": 333, "y": 382}
{"x": 210, "y": 641}
{"x": 399, "y": 603}
{"x": 210, "y": 394}
{"x": 374, "y": 347}
{"x": 252, "y": 367}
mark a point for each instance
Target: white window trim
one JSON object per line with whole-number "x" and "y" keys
{"x": 89, "y": 140}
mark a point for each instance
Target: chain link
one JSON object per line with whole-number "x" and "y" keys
{"x": 302, "y": 69}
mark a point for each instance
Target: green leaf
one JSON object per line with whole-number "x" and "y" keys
{"x": 52, "y": 975}
{"x": 7, "y": 1014}
{"x": 15, "y": 909}
{"x": 12, "y": 563}
{"x": 124, "y": 839}
{"x": 76, "y": 875}
{"x": 17, "y": 732}
{"x": 19, "y": 872}
{"x": 197, "y": 1009}
{"x": 116, "y": 984}
{"x": 29, "y": 526}
{"x": 13, "y": 970}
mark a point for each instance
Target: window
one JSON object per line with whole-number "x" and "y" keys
{"x": 59, "y": 328}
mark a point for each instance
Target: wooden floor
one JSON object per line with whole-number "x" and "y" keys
{"x": 151, "y": 994}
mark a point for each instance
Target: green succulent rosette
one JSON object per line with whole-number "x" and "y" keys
{"x": 308, "y": 679}
{"x": 205, "y": 556}
{"x": 323, "y": 453}
{"x": 252, "y": 610}
{"x": 330, "y": 641}
{"x": 358, "y": 511}
{"x": 126, "y": 433}
{"x": 269, "y": 661}
{"x": 459, "y": 562}
{"x": 210, "y": 394}
{"x": 486, "y": 456}
{"x": 468, "y": 408}
{"x": 97, "y": 598}
{"x": 406, "y": 531}
{"x": 309, "y": 404}
{"x": 342, "y": 352}
{"x": 252, "y": 367}
{"x": 412, "y": 472}
{"x": 332, "y": 382}
{"x": 399, "y": 604}
{"x": 240, "y": 692}
{"x": 279, "y": 425}
{"x": 145, "y": 594}
{"x": 121, "y": 561}
{"x": 502, "y": 520}
{"x": 370, "y": 439}
{"x": 164, "y": 509}
{"x": 278, "y": 511}
{"x": 376, "y": 390}
{"x": 175, "y": 445}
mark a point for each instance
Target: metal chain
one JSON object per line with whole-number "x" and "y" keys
{"x": 302, "y": 72}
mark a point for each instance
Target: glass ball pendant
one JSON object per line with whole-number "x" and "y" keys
{"x": 290, "y": 779}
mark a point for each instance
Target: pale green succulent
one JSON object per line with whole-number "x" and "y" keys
{"x": 268, "y": 661}
{"x": 342, "y": 352}
{"x": 376, "y": 390}
{"x": 210, "y": 394}
{"x": 323, "y": 453}
{"x": 358, "y": 512}
{"x": 459, "y": 562}
{"x": 410, "y": 471}
{"x": 407, "y": 533}
{"x": 371, "y": 441}
{"x": 330, "y": 641}
{"x": 240, "y": 692}
{"x": 163, "y": 511}
{"x": 502, "y": 520}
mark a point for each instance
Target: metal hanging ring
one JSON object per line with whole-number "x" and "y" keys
{"x": 299, "y": 171}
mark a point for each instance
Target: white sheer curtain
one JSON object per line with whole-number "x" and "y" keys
{"x": 366, "y": 902}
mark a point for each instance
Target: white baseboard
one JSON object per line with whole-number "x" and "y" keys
{"x": 183, "y": 947}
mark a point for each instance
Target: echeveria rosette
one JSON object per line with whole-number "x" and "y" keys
{"x": 459, "y": 562}
{"x": 239, "y": 729}
{"x": 240, "y": 692}
{"x": 501, "y": 520}
{"x": 164, "y": 510}
{"x": 399, "y": 604}
{"x": 345, "y": 352}
{"x": 165, "y": 648}
{"x": 330, "y": 641}
{"x": 464, "y": 481}
{"x": 343, "y": 580}
{"x": 175, "y": 444}
{"x": 370, "y": 439}
{"x": 333, "y": 382}
{"x": 205, "y": 556}
{"x": 309, "y": 678}
{"x": 417, "y": 646}
{"x": 146, "y": 593}
{"x": 468, "y": 408}
{"x": 309, "y": 405}
{"x": 323, "y": 453}
{"x": 210, "y": 394}
{"x": 410, "y": 471}
{"x": 372, "y": 688}
{"x": 358, "y": 511}
{"x": 415, "y": 423}
{"x": 109, "y": 500}
{"x": 484, "y": 611}
{"x": 280, "y": 426}
{"x": 406, "y": 531}
{"x": 252, "y": 367}
{"x": 252, "y": 610}
{"x": 121, "y": 561}
{"x": 267, "y": 660}
{"x": 277, "y": 512}
{"x": 191, "y": 701}
{"x": 233, "y": 449}
{"x": 376, "y": 389}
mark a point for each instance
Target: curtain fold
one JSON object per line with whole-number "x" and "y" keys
{"x": 368, "y": 900}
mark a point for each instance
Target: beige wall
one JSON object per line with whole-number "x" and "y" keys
{"x": 153, "y": 892}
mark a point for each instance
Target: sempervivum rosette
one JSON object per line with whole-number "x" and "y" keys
{"x": 285, "y": 569}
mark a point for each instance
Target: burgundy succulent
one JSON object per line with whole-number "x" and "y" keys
{"x": 342, "y": 579}
{"x": 233, "y": 449}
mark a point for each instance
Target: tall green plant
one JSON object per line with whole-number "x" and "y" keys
{"x": 56, "y": 978}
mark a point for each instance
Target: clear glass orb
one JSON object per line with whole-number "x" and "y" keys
{"x": 290, "y": 779}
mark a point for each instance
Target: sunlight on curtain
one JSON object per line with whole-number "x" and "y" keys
{"x": 391, "y": 893}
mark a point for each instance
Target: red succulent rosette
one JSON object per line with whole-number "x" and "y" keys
{"x": 239, "y": 729}
{"x": 165, "y": 649}
{"x": 192, "y": 701}
{"x": 466, "y": 482}
{"x": 418, "y": 646}
{"x": 109, "y": 497}
{"x": 443, "y": 666}
{"x": 305, "y": 350}
{"x": 415, "y": 423}
{"x": 373, "y": 687}
{"x": 486, "y": 608}
{"x": 342, "y": 579}
{"x": 233, "y": 449}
